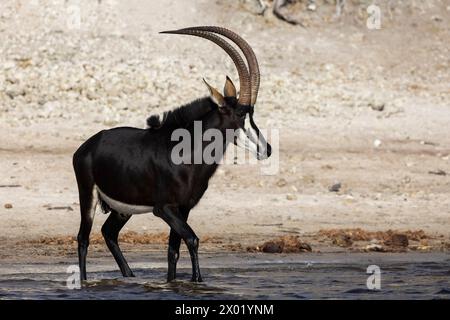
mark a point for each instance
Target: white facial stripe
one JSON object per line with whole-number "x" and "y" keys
{"x": 247, "y": 124}
{"x": 254, "y": 141}
{"x": 252, "y": 135}
{"x": 122, "y": 207}
{"x": 243, "y": 141}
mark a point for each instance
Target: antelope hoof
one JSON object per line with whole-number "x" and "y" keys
{"x": 197, "y": 278}
{"x": 170, "y": 278}
{"x": 129, "y": 274}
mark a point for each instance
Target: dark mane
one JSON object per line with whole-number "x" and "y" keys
{"x": 183, "y": 116}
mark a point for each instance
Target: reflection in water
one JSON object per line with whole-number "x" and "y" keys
{"x": 257, "y": 277}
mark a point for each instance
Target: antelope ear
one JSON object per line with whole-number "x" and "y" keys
{"x": 215, "y": 95}
{"x": 229, "y": 90}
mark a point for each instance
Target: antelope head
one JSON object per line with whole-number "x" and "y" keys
{"x": 239, "y": 109}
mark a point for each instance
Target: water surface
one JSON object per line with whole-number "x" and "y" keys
{"x": 239, "y": 276}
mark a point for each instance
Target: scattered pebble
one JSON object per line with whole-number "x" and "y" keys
{"x": 281, "y": 183}
{"x": 377, "y": 143}
{"x": 374, "y": 247}
{"x": 428, "y": 143}
{"x": 8, "y": 206}
{"x": 397, "y": 240}
{"x": 377, "y": 106}
{"x": 343, "y": 241}
{"x": 312, "y": 7}
{"x": 438, "y": 172}
{"x": 423, "y": 248}
{"x": 335, "y": 187}
{"x": 68, "y": 208}
{"x": 272, "y": 247}
{"x": 291, "y": 197}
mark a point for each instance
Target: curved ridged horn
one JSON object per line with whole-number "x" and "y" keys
{"x": 246, "y": 49}
{"x": 244, "y": 77}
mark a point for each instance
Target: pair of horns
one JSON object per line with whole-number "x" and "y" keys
{"x": 248, "y": 81}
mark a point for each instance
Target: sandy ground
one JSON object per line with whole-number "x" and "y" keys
{"x": 366, "y": 108}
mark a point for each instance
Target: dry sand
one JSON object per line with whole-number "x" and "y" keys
{"x": 367, "y": 108}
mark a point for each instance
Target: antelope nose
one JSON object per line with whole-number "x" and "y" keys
{"x": 266, "y": 154}
{"x": 268, "y": 150}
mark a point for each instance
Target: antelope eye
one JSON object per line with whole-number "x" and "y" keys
{"x": 241, "y": 112}
{"x": 241, "y": 115}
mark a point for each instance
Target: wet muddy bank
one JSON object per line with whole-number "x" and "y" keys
{"x": 324, "y": 241}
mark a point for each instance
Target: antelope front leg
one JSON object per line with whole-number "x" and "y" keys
{"x": 170, "y": 214}
{"x": 173, "y": 253}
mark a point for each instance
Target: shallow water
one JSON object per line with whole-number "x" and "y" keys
{"x": 239, "y": 276}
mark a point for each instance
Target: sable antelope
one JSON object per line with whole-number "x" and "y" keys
{"x": 130, "y": 171}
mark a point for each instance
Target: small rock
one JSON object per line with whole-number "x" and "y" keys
{"x": 24, "y": 62}
{"x": 335, "y": 187}
{"x": 329, "y": 66}
{"x": 13, "y": 93}
{"x": 428, "y": 143}
{"x": 8, "y": 206}
{"x": 291, "y": 197}
{"x": 377, "y": 106}
{"x": 312, "y": 7}
{"x": 377, "y": 143}
{"x": 406, "y": 180}
{"x": 68, "y": 208}
{"x": 438, "y": 172}
{"x": 343, "y": 241}
{"x": 374, "y": 247}
{"x": 272, "y": 247}
{"x": 397, "y": 240}
{"x": 309, "y": 178}
{"x": 281, "y": 183}
{"x": 91, "y": 95}
{"x": 304, "y": 247}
